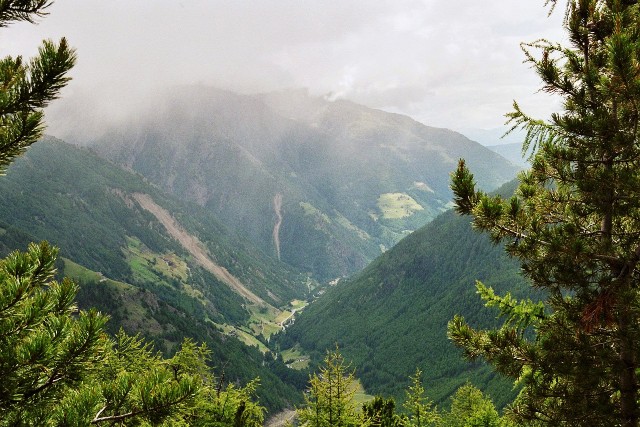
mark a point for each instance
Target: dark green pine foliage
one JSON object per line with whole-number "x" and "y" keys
{"x": 43, "y": 349}
{"x": 58, "y": 366}
{"x": 574, "y": 225}
{"x": 27, "y": 87}
{"x": 381, "y": 412}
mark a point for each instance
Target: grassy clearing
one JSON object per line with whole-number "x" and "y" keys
{"x": 243, "y": 335}
{"x": 298, "y": 304}
{"x": 150, "y": 266}
{"x": 397, "y": 205}
{"x": 309, "y": 209}
{"x": 135, "y": 316}
{"x": 79, "y": 273}
{"x": 263, "y": 314}
{"x": 263, "y": 320}
{"x": 251, "y": 340}
{"x": 360, "y": 396}
{"x": 284, "y": 315}
{"x": 295, "y": 358}
{"x": 267, "y": 320}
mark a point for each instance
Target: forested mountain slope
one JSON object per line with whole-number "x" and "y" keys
{"x": 324, "y": 186}
{"x": 392, "y": 317}
{"x": 92, "y": 209}
{"x": 116, "y": 244}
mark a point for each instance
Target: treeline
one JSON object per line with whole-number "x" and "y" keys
{"x": 330, "y": 402}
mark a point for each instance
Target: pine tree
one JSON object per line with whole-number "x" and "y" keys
{"x": 329, "y": 399}
{"x": 471, "y": 408}
{"x": 57, "y": 365}
{"x": 574, "y": 224}
{"x": 44, "y": 349}
{"x": 381, "y": 412}
{"x": 420, "y": 409}
{"x": 28, "y": 87}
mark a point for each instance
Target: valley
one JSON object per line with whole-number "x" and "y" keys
{"x": 241, "y": 214}
{"x": 256, "y": 243}
{"x": 323, "y": 186}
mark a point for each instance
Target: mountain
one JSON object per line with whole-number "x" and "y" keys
{"x": 495, "y": 136}
{"x": 323, "y": 186}
{"x": 161, "y": 267}
{"x": 391, "y": 318}
{"x": 511, "y": 152}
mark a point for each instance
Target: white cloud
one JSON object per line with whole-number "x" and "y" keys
{"x": 453, "y": 64}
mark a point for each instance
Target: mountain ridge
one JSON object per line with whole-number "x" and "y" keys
{"x": 338, "y": 166}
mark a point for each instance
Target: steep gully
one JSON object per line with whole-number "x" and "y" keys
{"x": 195, "y": 247}
{"x": 277, "y": 207}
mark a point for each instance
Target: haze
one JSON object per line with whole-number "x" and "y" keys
{"x": 454, "y": 64}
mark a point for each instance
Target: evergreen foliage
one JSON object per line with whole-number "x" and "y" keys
{"x": 421, "y": 411}
{"x": 470, "y": 408}
{"x": 28, "y": 87}
{"x": 381, "y": 412}
{"x": 58, "y": 366}
{"x": 329, "y": 399}
{"x": 574, "y": 226}
{"x": 43, "y": 348}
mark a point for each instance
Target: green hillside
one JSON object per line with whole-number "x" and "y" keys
{"x": 307, "y": 180}
{"x": 392, "y": 317}
{"x": 87, "y": 207}
{"x": 130, "y": 266}
{"x": 138, "y": 310}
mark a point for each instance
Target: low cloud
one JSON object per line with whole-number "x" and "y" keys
{"x": 455, "y": 63}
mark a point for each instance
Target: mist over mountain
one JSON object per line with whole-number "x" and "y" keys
{"x": 324, "y": 186}
{"x": 223, "y": 210}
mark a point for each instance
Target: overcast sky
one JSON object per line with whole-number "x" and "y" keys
{"x": 446, "y": 63}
